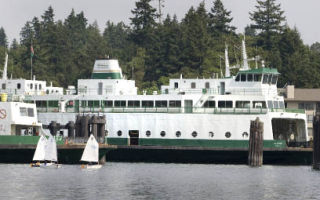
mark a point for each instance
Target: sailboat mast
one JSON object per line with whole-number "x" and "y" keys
{"x": 4, "y": 74}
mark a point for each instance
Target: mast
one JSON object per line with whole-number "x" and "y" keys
{"x": 245, "y": 65}
{"x": 226, "y": 60}
{"x": 160, "y": 5}
{"x": 4, "y": 73}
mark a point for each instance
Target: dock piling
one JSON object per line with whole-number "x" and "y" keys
{"x": 94, "y": 125}
{"x": 255, "y": 155}
{"x": 316, "y": 143}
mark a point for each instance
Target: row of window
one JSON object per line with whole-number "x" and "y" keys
{"x": 266, "y": 79}
{"x": 4, "y": 86}
{"x": 26, "y": 112}
{"x": 193, "y": 85}
{"x": 306, "y": 106}
{"x": 243, "y": 104}
{"x": 194, "y": 134}
{"x": 131, "y": 104}
{"x": 44, "y": 104}
{"x": 164, "y": 104}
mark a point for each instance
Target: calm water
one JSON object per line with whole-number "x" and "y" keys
{"x": 159, "y": 181}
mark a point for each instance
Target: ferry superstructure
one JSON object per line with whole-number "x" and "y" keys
{"x": 188, "y": 112}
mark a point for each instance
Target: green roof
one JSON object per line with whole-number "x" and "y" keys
{"x": 260, "y": 71}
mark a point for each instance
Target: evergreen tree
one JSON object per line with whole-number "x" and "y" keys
{"x": 268, "y": 19}
{"x": 117, "y": 41}
{"x": 249, "y": 31}
{"x": 14, "y": 44}
{"x": 171, "y": 46}
{"x": 3, "y": 38}
{"x": 219, "y": 20}
{"x": 315, "y": 47}
{"x": 26, "y": 34}
{"x": 195, "y": 40}
{"x": 143, "y": 23}
{"x": 296, "y": 67}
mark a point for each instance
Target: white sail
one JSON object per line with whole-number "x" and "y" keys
{"x": 51, "y": 150}
{"x": 91, "y": 151}
{"x": 39, "y": 154}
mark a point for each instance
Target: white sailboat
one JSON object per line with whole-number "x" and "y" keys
{"x": 51, "y": 157}
{"x": 46, "y": 153}
{"x": 39, "y": 154}
{"x": 91, "y": 154}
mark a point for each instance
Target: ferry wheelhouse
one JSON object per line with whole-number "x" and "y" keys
{"x": 189, "y": 112}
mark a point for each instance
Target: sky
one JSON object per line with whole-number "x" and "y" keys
{"x": 302, "y": 14}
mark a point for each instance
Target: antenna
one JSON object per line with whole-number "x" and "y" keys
{"x": 160, "y": 5}
{"x": 226, "y": 60}
{"x": 4, "y": 73}
{"x": 221, "y": 74}
{"x": 245, "y": 65}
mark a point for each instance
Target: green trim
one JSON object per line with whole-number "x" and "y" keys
{"x": 290, "y": 110}
{"x": 113, "y": 75}
{"x": 116, "y": 141}
{"x": 16, "y": 139}
{"x": 197, "y": 142}
{"x": 260, "y": 71}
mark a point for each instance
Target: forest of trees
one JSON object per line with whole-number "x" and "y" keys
{"x": 151, "y": 51}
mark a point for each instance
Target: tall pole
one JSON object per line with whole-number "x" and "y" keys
{"x": 160, "y": 5}
{"x": 31, "y": 56}
{"x": 31, "y": 67}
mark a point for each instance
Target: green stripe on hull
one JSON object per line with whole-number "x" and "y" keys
{"x": 116, "y": 75}
{"x": 117, "y": 141}
{"x": 12, "y": 139}
{"x": 16, "y": 139}
{"x": 197, "y": 143}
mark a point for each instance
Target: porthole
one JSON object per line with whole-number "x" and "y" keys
{"x": 119, "y": 133}
{"x": 162, "y": 133}
{"x": 245, "y": 134}
{"x": 194, "y": 134}
{"x": 148, "y": 133}
{"x": 228, "y": 134}
{"x": 178, "y": 133}
{"x": 211, "y": 134}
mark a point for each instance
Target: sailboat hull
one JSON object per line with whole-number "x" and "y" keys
{"x": 91, "y": 166}
{"x": 34, "y": 164}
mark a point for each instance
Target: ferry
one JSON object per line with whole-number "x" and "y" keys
{"x": 17, "y": 118}
{"x": 199, "y": 112}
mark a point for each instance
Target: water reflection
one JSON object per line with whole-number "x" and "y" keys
{"x": 159, "y": 181}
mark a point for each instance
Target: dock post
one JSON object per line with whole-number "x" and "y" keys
{"x": 85, "y": 127}
{"x": 94, "y": 123}
{"x": 78, "y": 126}
{"x": 54, "y": 127}
{"x": 71, "y": 127}
{"x": 316, "y": 143}
{"x": 101, "y": 128}
{"x": 102, "y": 159}
{"x": 255, "y": 157}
